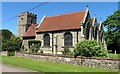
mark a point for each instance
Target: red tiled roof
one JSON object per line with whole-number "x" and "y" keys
{"x": 62, "y": 22}
{"x": 30, "y": 31}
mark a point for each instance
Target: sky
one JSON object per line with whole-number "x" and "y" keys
{"x": 12, "y": 9}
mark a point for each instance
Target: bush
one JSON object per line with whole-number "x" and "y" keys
{"x": 35, "y": 42}
{"x": 66, "y": 51}
{"x": 34, "y": 45}
{"x": 89, "y": 48}
{"x": 11, "y": 53}
{"x": 11, "y": 46}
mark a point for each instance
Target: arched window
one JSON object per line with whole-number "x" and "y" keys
{"x": 46, "y": 40}
{"x": 87, "y": 31}
{"x": 67, "y": 39}
{"x": 92, "y": 32}
{"x": 95, "y": 34}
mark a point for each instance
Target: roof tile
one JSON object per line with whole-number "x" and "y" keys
{"x": 30, "y": 31}
{"x": 62, "y": 22}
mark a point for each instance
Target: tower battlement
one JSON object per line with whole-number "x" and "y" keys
{"x": 25, "y": 20}
{"x": 27, "y": 13}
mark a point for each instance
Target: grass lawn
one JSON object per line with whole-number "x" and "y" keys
{"x": 48, "y": 66}
{"x": 111, "y": 55}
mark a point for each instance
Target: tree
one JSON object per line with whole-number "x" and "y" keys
{"x": 10, "y": 46}
{"x": 89, "y": 48}
{"x": 6, "y": 34}
{"x": 112, "y": 35}
{"x": 10, "y": 42}
{"x": 17, "y": 41}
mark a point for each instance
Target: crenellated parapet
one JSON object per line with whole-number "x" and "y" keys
{"x": 25, "y": 20}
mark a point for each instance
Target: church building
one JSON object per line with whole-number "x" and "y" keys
{"x": 59, "y": 31}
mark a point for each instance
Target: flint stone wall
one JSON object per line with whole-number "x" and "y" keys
{"x": 96, "y": 63}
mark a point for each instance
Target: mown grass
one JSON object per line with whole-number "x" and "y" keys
{"x": 48, "y": 66}
{"x": 111, "y": 55}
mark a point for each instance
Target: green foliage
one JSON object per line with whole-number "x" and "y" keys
{"x": 34, "y": 48}
{"x": 10, "y": 42}
{"x": 35, "y": 42}
{"x": 112, "y": 35}
{"x": 34, "y": 45}
{"x": 110, "y": 55}
{"x": 89, "y": 48}
{"x": 6, "y": 34}
{"x": 11, "y": 53}
{"x": 66, "y": 51}
{"x": 10, "y": 46}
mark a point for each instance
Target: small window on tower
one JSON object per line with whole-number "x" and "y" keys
{"x": 21, "y": 18}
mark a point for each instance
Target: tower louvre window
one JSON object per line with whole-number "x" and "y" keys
{"x": 21, "y": 18}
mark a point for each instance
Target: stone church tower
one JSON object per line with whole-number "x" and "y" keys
{"x": 25, "y": 20}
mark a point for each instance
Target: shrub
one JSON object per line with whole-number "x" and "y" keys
{"x": 34, "y": 45}
{"x": 35, "y": 42}
{"x": 12, "y": 43}
{"x": 34, "y": 48}
{"x": 66, "y": 51}
{"x": 11, "y": 53}
{"x": 89, "y": 48}
{"x": 11, "y": 46}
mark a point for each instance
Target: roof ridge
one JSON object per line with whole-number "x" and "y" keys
{"x": 65, "y": 14}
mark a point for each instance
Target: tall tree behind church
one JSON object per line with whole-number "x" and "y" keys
{"x": 112, "y": 35}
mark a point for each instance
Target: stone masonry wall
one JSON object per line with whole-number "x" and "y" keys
{"x": 96, "y": 63}
{"x": 58, "y": 40}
